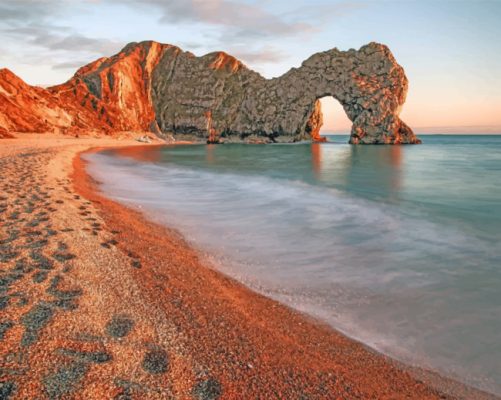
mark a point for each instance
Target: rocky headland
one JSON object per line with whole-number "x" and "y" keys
{"x": 159, "y": 88}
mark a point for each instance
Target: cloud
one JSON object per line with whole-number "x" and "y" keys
{"x": 240, "y": 27}
{"x": 17, "y": 11}
{"x": 263, "y": 55}
{"x": 32, "y": 30}
{"x": 73, "y": 65}
{"x": 236, "y": 17}
{"x": 76, "y": 42}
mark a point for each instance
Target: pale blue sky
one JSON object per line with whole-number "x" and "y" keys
{"x": 451, "y": 50}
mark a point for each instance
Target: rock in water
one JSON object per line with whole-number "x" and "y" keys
{"x": 159, "y": 88}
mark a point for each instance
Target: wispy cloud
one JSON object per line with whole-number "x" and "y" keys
{"x": 17, "y": 11}
{"x": 59, "y": 38}
{"x": 36, "y": 32}
{"x": 239, "y": 17}
{"x": 242, "y": 26}
{"x": 34, "y": 29}
{"x": 76, "y": 42}
{"x": 262, "y": 55}
{"x": 71, "y": 65}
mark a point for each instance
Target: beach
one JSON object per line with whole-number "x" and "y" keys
{"x": 100, "y": 303}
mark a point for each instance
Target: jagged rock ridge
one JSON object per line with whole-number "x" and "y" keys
{"x": 156, "y": 87}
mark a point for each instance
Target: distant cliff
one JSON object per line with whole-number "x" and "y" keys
{"x": 159, "y": 88}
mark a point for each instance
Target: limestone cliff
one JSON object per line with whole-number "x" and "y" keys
{"x": 116, "y": 90}
{"x": 160, "y": 88}
{"x": 25, "y": 108}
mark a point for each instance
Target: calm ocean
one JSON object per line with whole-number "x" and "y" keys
{"x": 397, "y": 246}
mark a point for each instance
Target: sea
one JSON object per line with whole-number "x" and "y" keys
{"x": 398, "y": 247}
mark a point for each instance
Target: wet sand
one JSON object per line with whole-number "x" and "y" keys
{"x": 96, "y": 302}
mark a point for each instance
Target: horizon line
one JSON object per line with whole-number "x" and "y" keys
{"x": 441, "y": 129}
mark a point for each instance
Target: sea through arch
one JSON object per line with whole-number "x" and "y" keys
{"x": 327, "y": 118}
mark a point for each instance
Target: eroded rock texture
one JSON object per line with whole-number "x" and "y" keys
{"x": 117, "y": 89}
{"x": 160, "y": 88}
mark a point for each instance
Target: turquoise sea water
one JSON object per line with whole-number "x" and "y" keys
{"x": 397, "y": 246}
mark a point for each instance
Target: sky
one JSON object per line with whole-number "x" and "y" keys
{"x": 450, "y": 50}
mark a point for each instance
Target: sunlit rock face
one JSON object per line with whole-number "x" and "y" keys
{"x": 109, "y": 95}
{"x": 117, "y": 90}
{"x": 25, "y": 108}
{"x": 156, "y": 87}
{"x": 315, "y": 122}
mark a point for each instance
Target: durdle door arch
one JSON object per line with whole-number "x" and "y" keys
{"x": 368, "y": 83}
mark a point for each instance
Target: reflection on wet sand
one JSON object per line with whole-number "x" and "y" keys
{"x": 141, "y": 153}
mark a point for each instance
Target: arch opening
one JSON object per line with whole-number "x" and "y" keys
{"x": 335, "y": 119}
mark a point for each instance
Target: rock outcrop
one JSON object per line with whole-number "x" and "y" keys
{"x": 117, "y": 90}
{"x": 25, "y": 108}
{"x": 5, "y": 134}
{"x": 315, "y": 123}
{"x": 159, "y": 88}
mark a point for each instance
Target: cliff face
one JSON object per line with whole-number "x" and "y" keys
{"x": 184, "y": 87}
{"x": 156, "y": 87}
{"x": 116, "y": 90}
{"x": 24, "y": 108}
{"x": 109, "y": 95}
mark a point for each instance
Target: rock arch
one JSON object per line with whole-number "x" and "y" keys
{"x": 368, "y": 83}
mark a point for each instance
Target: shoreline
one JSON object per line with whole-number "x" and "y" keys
{"x": 207, "y": 335}
{"x": 437, "y": 382}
